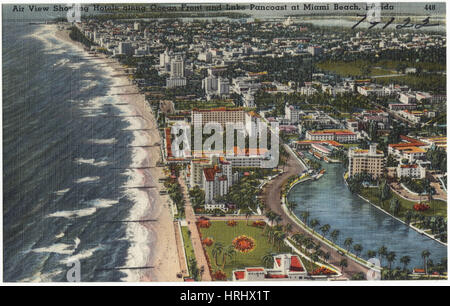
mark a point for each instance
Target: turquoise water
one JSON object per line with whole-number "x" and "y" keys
{"x": 330, "y": 201}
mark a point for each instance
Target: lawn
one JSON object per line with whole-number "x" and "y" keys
{"x": 187, "y": 244}
{"x": 353, "y": 68}
{"x": 219, "y": 231}
{"x": 437, "y": 207}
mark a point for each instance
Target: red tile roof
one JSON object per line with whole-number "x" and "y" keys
{"x": 276, "y": 276}
{"x": 296, "y": 265}
{"x": 255, "y": 269}
{"x": 239, "y": 275}
{"x": 210, "y": 173}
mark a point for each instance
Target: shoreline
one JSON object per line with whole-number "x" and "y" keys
{"x": 160, "y": 248}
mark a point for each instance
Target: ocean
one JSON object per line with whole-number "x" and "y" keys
{"x": 61, "y": 151}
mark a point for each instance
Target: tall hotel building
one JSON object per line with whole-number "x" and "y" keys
{"x": 366, "y": 161}
{"x": 220, "y": 115}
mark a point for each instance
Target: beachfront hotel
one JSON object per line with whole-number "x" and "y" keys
{"x": 366, "y": 161}
{"x": 220, "y": 115}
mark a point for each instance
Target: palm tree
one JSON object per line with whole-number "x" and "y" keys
{"x": 334, "y": 235}
{"x": 343, "y": 264}
{"x": 348, "y": 243}
{"x": 216, "y": 251}
{"x": 278, "y": 219}
{"x": 405, "y": 260}
{"x": 288, "y": 228}
{"x": 391, "y": 258}
{"x": 279, "y": 238}
{"x": 358, "y": 249}
{"x": 382, "y": 251}
{"x": 268, "y": 259}
{"x": 314, "y": 224}
{"x": 247, "y": 213}
{"x": 325, "y": 229}
{"x": 305, "y": 216}
{"x": 271, "y": 216}
{"x": 425, "y": 255}
{"x": 228, "y": 252}
{"x": 371, "y": 254}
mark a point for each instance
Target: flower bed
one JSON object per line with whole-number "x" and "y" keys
{"x": 322, "y": 271}
{"x": 421, "y": 207}
{"x": 219, "y": 275}
{"x": 204, "y": 223}
{"x": 231, "y": 223}
{"x": 244, "y": 244}
{"x": 208, "y": 241}
{"x": 259, "y": 224}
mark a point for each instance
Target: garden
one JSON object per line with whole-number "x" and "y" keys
{"x": 234, "y": 245}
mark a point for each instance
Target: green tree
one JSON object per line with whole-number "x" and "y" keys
{"x": 325, "y": 229}
{"x": 405, "y": 260}
{"x": 382, "y": 251}
{"x": 343, "y": 264}
{"x": 216, "y": 251}
{"x": 425, "y": 255}
{"x": 228, "y": 252}
{"x": 390, "y": 257}
{"x": 358, "y": 249}
{"x": 334, "y": 235}
{"x": 314, "y": 224}
{"x": 348, "y": 243}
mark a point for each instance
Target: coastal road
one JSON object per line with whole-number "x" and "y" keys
{"x": 195, "y": 236}
{"x": 272, "y": 199}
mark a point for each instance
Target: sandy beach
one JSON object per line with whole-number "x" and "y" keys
{"x": 155, "y": 243}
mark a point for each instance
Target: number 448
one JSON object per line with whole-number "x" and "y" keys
{"x": 430, "y": 7}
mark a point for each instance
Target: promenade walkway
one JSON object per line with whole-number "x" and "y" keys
{"x": 195, "y": 236}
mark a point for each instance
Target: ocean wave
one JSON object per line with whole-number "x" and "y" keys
{"x": 87, "y": 179}
{"x": 41, "y": 277}
{"x": 59, "y": 248}
{"x": 70, "y": 214}
{"x": 62, "y": 191}
{"x": 103, "y": 141}
{"x": 80, "y": 256}
{"x": 88, "y": 211}
{"x": 103, "y": 203}
{"x": 92, "y": 162}
{"x": 88, "y": 84}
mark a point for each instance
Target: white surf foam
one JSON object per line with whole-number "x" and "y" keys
{"x": 70, "y": 214}
{"x": 62, "y": 191}
{"x": 87, "y": 179}
{"x": 103, "y": 141}
{"x": 92, "y": 162}
{"x": 80, "y": 256}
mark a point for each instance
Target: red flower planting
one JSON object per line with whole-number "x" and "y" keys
{"x": 244, "y": 244}
{"x": 322, "y": 271}
{"x": 204, "y": 223}
{"x": 259, "y": 223}
{"x": 231, "y": 223}
{"x": 220, "y": 276}
{"x": 421, "y": 207}
{"x": 208, "y": 241}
